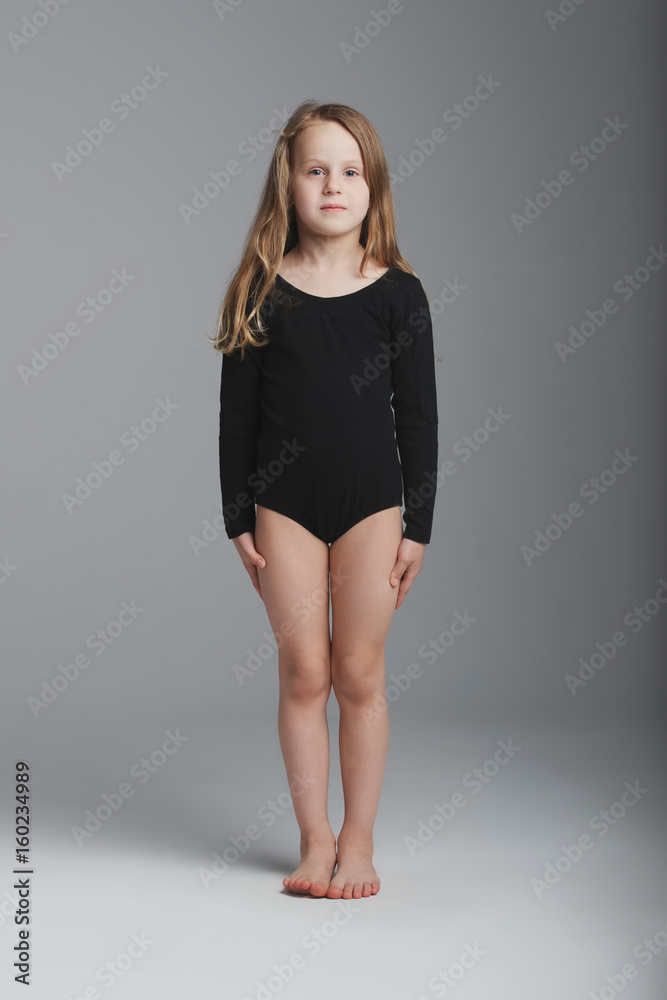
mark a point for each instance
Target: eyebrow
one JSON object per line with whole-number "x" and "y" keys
{"x": 316, "y": 159}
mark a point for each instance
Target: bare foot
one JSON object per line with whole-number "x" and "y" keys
{"x": 313, "y": 874}
{"x": 356, "y": 875}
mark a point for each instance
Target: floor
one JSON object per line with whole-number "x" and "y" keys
{"x": 539, "y": 876}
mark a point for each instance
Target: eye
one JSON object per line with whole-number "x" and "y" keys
{"x": 350, "y": 170}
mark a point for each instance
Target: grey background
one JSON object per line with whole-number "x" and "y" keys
{"x": 66, "y": 574}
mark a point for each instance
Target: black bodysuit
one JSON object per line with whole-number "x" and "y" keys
{"x": 335, "y": 418}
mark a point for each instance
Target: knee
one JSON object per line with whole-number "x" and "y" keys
{"x": 305, "y": 678}
{"x": 356, "y": 677}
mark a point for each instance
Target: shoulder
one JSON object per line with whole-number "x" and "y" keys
{"x": 399, "y": 276}
{"x": 404, "y": 285}
{"x": 406, "y": 295}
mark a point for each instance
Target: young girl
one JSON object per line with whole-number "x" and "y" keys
{"x": 324, "y": 329}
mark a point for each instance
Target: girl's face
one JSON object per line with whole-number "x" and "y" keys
{"x": 328, "y": 169}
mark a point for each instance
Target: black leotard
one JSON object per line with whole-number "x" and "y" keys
{"x": 306, "y": 421}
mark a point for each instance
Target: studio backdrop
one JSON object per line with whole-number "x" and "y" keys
{"x": 147, "y": 825}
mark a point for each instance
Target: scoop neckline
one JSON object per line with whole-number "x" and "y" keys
{"x": 328, "y": 298}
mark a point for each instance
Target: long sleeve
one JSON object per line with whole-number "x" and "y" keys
{"x": 414, "y": 401}
{"x": 240, "y": 419}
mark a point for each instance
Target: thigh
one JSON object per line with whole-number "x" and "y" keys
{"x": 295, "y": 589}
{"x": 362, "y": 598}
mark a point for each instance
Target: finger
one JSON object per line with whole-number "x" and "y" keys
{"x": 397, "y": 572}
{"x": 255, "y": 557}
{"x": 406, "y": 583}
{"x": 250, "y": 552}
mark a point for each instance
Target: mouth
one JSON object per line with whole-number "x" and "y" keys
{"x": 332, "y": 208}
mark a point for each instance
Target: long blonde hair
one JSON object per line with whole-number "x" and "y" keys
{"x": 273, "y": 231}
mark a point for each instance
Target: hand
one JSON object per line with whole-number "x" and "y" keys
{"x": 245, "y": 546}
{"x": 408, "y": 563}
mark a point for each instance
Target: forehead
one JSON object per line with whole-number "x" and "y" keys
{"x": 328, "y": 140}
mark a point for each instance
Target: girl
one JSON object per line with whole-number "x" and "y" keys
{"x": 324, "y": 329}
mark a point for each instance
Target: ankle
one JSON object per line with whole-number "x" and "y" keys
{"x": 350, "y": 840}
{"x": 317, "y": 838}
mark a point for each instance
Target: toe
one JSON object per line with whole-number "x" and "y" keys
{"x": 293, "y": 884}
{"x": 334, "y": 891}
{"x": 356, "y": 892}
{"x": 366, "y": 891}
{"x": 318, "y": 889}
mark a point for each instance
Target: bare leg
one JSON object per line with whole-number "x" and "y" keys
{"x": 362, "y": 613}
{"x": 295, "y": 590}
